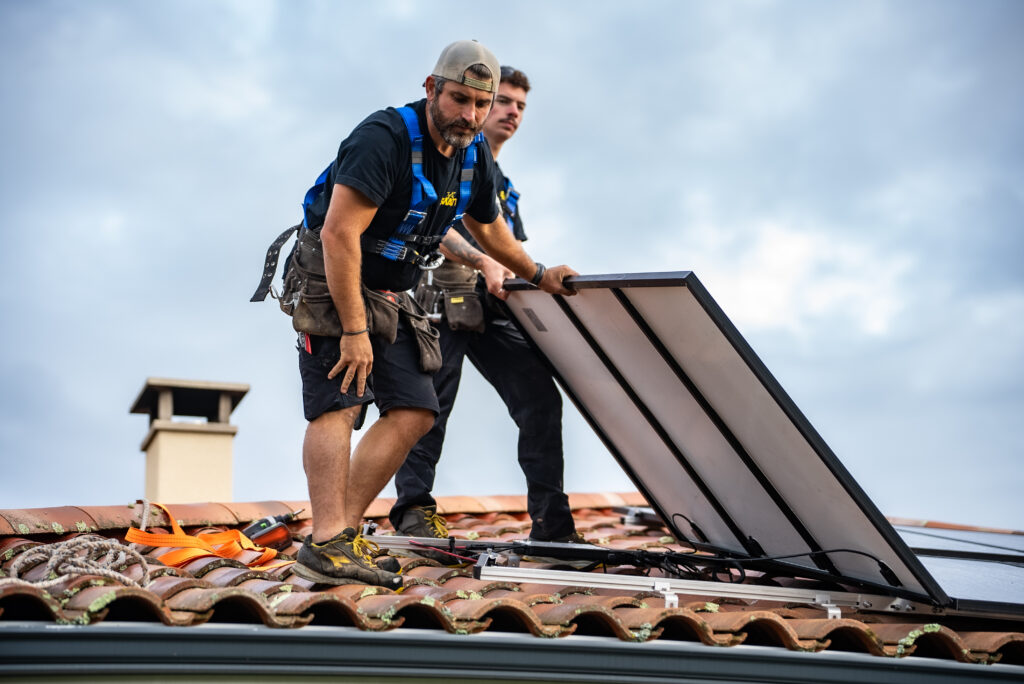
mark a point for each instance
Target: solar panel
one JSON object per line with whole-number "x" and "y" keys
{"x": 962, "y": 540}
{"x": 707, "y": 434}
{"x": 982, "y": 572}
{"x": 974, "y": 583}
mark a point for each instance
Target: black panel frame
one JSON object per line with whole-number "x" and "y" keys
{"x": 689, "y": 280}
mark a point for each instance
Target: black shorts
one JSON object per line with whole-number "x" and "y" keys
{"x": 396, "y": 380}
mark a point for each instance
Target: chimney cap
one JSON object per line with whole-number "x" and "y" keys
{"x": 190, "y": 397}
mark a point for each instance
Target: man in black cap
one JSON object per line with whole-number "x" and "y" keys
{"x": 400, "y": 179}
{"x": 499, "y": 352}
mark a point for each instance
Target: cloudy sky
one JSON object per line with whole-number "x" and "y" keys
{"x": 846, "y": 179}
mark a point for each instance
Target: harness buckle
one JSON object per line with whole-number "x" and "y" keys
{"x": 429, "y": 262}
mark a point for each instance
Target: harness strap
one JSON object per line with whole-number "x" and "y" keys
{"x": 509, "y": 201}
{"x": 423, "y": 195}
{"x": 405, "y": 244}
{"x": 270, "y": 265}
{"x": 314, "y": 191}
{"x": 228, "y": 544}
{"x": 465, "y": 181}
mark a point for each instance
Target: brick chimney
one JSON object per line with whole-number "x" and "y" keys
{"x": 189, "y": 443}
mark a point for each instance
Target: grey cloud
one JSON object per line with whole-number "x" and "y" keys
{"x": 152, "y": 151}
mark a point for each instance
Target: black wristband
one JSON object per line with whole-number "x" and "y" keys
{"x": 355, "y": 332}
{"x": 539, "y": 274}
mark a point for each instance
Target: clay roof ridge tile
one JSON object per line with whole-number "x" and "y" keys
{"x": 595, "y": 617}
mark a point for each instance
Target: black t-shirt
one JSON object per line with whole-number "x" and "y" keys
{"x": 376, "y": 159}
{"x": 516, "y": 221}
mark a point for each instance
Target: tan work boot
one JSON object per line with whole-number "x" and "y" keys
{"x": 423, "y": 521}
{"x": 345, "y": 559}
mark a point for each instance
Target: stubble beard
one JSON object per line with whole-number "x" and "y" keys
{"x": 446, "y": 127}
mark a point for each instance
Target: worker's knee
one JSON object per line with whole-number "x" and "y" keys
{"x": 414, "y": 422}
{"x": 332, "y": 424}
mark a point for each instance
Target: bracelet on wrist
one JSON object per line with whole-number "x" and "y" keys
{"x": 539, "y": 274}
{"x": 355, "y": 332}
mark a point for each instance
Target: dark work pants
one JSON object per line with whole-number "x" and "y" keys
{"x": 506, "y": 360}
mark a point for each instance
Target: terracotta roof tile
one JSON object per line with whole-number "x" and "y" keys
{"x": 48, "y": 520}
{"x": 843, "y": 634}
{"x": 244, "y": 512}
{"x": 931, "y": 640}
{"x": 226, "y": 605}
{"x": 195, "y": 514}
{"x": 24, "y": 602}
{"x": 584, "y": 618}
{"x": 96, "y": 603}
{"x": 760, "y": 627}
{"x": 505, "y": 614}
{"x": 213, "y": 589}
{"x": 320, "y": 608}
{"x": 167, "y": 586}
{"x": 995, "y": 647}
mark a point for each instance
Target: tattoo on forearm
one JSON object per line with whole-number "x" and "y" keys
{"x": 462, "y": 250}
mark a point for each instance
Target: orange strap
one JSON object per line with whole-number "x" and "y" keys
{"x": 228, "y": 544}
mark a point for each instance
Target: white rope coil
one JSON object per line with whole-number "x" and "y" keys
{"x": 88, "y": 554}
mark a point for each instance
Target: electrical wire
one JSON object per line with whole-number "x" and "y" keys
{"x": 464, "y": 559}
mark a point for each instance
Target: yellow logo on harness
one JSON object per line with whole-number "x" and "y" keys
{"x": 449, "y": 199}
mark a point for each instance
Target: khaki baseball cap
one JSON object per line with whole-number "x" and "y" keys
{"x": 461, "y": 55}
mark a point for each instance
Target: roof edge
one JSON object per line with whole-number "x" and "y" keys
{"x": 340, "y": 651}
{"x": 65, "y": 519}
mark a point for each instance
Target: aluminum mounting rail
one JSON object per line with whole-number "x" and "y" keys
{"x": 831, "y": 601}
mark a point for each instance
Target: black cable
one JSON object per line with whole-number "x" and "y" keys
{"x": 883, "y": 569}
{"x": 808, "y": 553}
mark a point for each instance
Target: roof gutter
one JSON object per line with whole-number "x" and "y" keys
{"x": 139, "y": 652}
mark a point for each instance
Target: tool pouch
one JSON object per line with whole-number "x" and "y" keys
{"x": 382, "y": 312}
{"x": 464, "y": 311}
{"x": 307, "y": 300}
{"x": 429, "y": 297}
{"x": 461, "y": 304}
{"x": 427, "y": 337}
{"x": 305, "y": 296}
{"x": 383, "y": 309}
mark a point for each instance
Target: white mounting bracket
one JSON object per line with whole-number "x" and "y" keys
{"x": 831, "y": 609}
{"x": 665, "y": 589}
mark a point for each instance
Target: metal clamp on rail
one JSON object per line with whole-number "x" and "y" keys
{"x": 665, "y": 589}
{"x": 485, "y": 559}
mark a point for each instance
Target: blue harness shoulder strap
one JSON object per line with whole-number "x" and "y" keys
{"x": 314, "y": 192}
{"x": 509, "y": 200}
{"x": 422, "y": 196}
{"x": 405, "y": 244}
{"x": 399, "y": 247}
{"x": 423, "y": 193}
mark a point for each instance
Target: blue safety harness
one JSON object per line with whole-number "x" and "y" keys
{"x": 405, "y": 243}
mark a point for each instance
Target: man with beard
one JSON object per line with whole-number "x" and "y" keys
{"x": 387, "y": 200}
{"x": 499, "y": 352}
